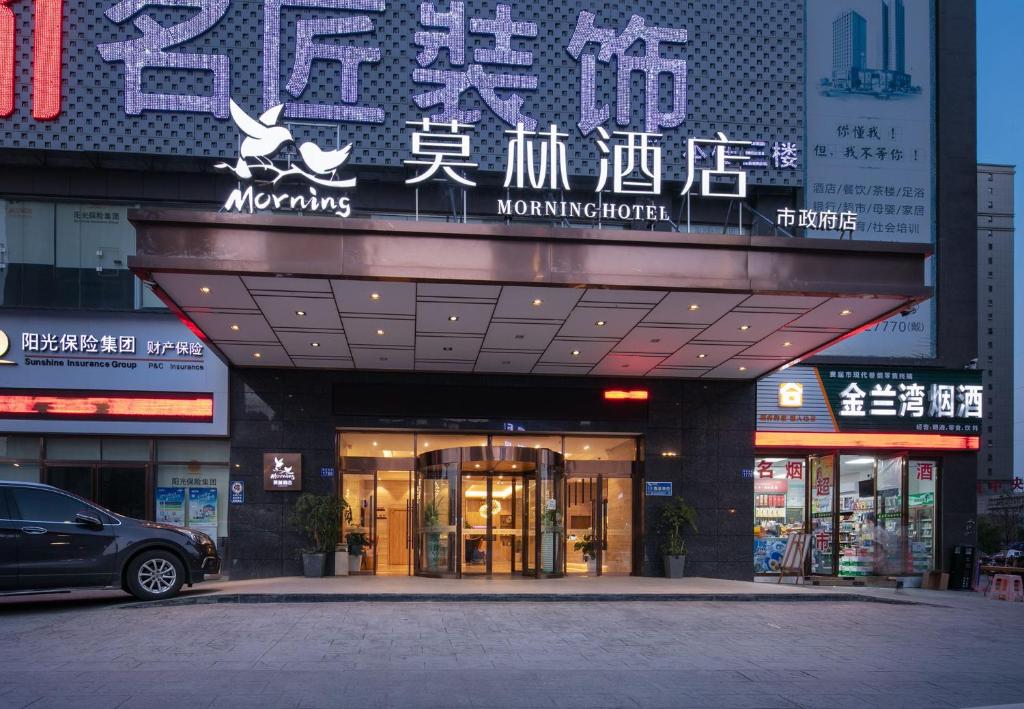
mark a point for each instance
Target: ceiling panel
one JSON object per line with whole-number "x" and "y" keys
{"x": 744, "y": 327}
{"x": 186, "y": 290}
{"x": 542, "y": 368}
{"x": 775, "y": 345}
{"x": 391, "y": 298}
{"x": 677, "y": 308}
{"x": 690, "y": 355}
{"x": 616, "y": 295}
{"x": 784, "y": 302}
{"x": 517, "y": 303}
{"x": 380, "y": 332}
{"x": 284, "y": 311}
{"x": 626, "y": 365}
{"x": 519, "y": 336}
{"x": 457, "y": 290}
{"x": 861, "y": 310}
{"x": 444, "y": 366}
{"x": 323, "y": 362}
{"x": 251, "y": 327}
{"x": 509, "y": 362}
{"x": 587, "y": 351}
{"x": 246, "y": 355}
{"x": 435, "y": 317}
{"x": 377, "y": 358}
{"x": 455, "y": 348}
{"x": 583, "y": 322}
{"x": 284, "y": 283}
{"x": 315, "y": 344}
{"x": 655, "y": 340}
{"x": 738, "y": 368}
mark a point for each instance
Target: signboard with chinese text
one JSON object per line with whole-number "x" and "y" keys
{"x": 170, "y": 505}
{"x": 367, "y": 73}
{"x": 106, "y": 353}
{"x": 236, "y": 491}
{"x": 282, "y": 471}
{"x": 858, "y": 399}
{"x": 869, "y": 148}
{"x": 659, "y": 489}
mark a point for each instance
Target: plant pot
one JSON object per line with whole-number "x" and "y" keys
{"x": 341, "y": 563}
{"x": 313, "y": 565}
{"x": 547, "y": 552}
{"x": 354, "y": 562}
{"x": 433, "y": 549}
{"x": 592, "y": 567}
{"x": 674, "y": 566}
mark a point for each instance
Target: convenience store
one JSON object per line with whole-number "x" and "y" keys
{"x": 865, "y": 460}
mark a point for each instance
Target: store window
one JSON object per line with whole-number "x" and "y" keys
{"x": 193, "y": 495}
{"x": 377, "y": 445}
{"x": 430, "y": 442}
{"x": 823, "y": 484}
{"x": 599, "y": 448}
{"x": 857, "y": 515}
{"x": 550, "y": 442}
{"x": 921, "y": 484}
{"x": 779, "y": 509}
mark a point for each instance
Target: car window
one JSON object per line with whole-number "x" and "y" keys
{"x": 3, "y": 505}
{"x": 45, "y": 506}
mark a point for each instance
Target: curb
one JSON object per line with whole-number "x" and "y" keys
{"x": 246, "y": 598}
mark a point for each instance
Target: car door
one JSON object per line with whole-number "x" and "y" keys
{"x": 8, "y": 546}
{"x": 54, "y": 551}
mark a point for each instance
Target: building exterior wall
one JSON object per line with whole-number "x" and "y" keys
{"x": 995, "y": 323}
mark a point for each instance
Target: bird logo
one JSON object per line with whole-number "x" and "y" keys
{"x": 265, "y": 138}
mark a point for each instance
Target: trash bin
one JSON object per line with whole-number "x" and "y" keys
{"x": 962, "y": 569}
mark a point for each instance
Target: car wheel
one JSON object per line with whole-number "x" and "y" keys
{"x": 154, "y": 575}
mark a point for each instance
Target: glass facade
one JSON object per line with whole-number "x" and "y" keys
{"x": 869, "y": 514}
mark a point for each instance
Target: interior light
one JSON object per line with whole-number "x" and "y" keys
{"x": 453, "y": 318}
{"x": 586, "y": 447}
{"x": 845, "y": 312}
{"x": 701, "y": 356}
{"x": 600, "y": 323}
{"x": 257, "y": 355}
{"x": 537, "y": 301}
{"x": 205, "y": 290}
{"x": 668, "y": 454}
{"x": 238, "y": 465}
{"x": 477, "y": 465}
{"x": 575, "y": 353}
{"x": 375, "y": 444}
{"x": 17, "y": 465}
{"x": 374, "y": 296}
{"x": 744, "y": 327}
{"x": 536, "y": 445}
{"x": 380, "y": 332}
{"x": 515, "y": 467}
{"x": 315, "y": 344}
{"x": 694, "y": 306}
{"x": 787, "y": 343}
{"x": 859, "y": 461}
{"x": 743, "y": 369}
{"x": 234, "y": 327}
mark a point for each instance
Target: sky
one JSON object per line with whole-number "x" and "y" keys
{"x": 1000, "y": 140}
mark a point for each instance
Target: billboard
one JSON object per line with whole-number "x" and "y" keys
{"x": 870, "y": 141}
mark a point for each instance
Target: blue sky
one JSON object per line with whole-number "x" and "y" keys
{"x": 1000, "y": 140}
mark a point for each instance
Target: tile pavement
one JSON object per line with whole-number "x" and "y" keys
{"x": 111, "y": 654}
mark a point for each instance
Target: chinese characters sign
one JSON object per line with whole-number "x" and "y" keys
{"x": 282, "y": 471}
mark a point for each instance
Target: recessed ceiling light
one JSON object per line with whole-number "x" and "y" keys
{"x": 374, "y": 296}
{"x": 787, "y": 343}
{"x": 575, "y": 353}
{"x": 744, "y": 327}
{"x": 380, "y": 332}
{"x": 600, "y": 323}
{"x": 538, "y": 301}
{"x": 586, "y": 448}
{"x": 694, "y": 306}
{"x": 447, "y": 348}
{"x": 515, "y": 467}
{"x": 17, "y": 465}
{"x": 257, "y": 355}
{"x": 453, "y": 318}
{"x": 536, "y": 445}
{"x": 701, "y": 356}
{"x": 234, "y": 327}
{"x": 743, "y": 369}
{"x": 301, "y": 313}
{"x": 845, "y": 312}
{"x": 477, "y": 465}
{"x": 205, "y": 290}
{"x": 314, "y": 344}
{"x": 375, "y": 444}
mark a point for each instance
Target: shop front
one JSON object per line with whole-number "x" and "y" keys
{"x": 865, "y": 461}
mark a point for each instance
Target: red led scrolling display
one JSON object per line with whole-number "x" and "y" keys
{"x": 47, "y": 39}
{"x": 106, "y": 406}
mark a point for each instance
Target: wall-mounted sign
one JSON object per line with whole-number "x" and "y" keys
{"x": 659, "y": 489}
{"x": 327, "y": 472}
{"x": 839, "y": 398}
{"x": 236, "y": 492}
{"x": 170, "y": 505}
{"x": 123, "y": 373}
{"x": 282, "y": 471}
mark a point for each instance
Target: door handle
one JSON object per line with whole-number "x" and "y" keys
{"x": 33, "y": 530}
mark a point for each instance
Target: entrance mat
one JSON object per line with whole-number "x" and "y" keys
{"x": 200, "y": 599}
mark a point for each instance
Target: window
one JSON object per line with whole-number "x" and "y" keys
{"x": 45, "y": 506}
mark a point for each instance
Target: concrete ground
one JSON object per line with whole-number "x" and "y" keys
{"x": 101, "y": 650}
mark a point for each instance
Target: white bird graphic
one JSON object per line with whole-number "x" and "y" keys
{"x": 323, "y": 162}
{"x": 264, "y": 137}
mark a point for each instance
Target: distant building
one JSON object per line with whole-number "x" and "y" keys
{"x": 849, "y": 47}
{"x": 900, "y": 37}
{"x": 995, "y": 326}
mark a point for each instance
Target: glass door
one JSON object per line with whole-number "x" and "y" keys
{"x": 922, "y": 476}
{"x": 890, "y": 540}
{"x": 823, "y": 490}
{"x": 435, "y": 517}
{"x": 359, "y": 490}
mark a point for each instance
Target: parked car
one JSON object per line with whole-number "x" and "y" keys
{"x": 51, "y": 539}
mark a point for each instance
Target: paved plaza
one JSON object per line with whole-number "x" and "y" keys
{"x": 102, "y": 651}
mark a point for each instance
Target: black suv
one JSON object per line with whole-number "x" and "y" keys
{"x": 51, "y": 539}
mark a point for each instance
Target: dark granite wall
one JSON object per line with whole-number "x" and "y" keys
{"x": 708, "y": 424}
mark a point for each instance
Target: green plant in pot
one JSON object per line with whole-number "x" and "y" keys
{"x": 358, "y": 543}
{"x": 588, "y": 545}
{"x": 320, "y": 518}
{"x": 675, "y": 517}
{"x": 432, "y": 530}
{"x": 551, "y": 530}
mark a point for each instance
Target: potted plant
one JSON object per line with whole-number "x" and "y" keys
{"x": 432, "y": 530}
{"x": 588, "y": 546}
{"x": 320, "y": 517}
{"x": 550, "y": 528}
{"x": 358, "y": 543}
{"x": 676, "y": 515}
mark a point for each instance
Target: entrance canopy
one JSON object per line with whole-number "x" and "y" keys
{"x": 318, "y": 292}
